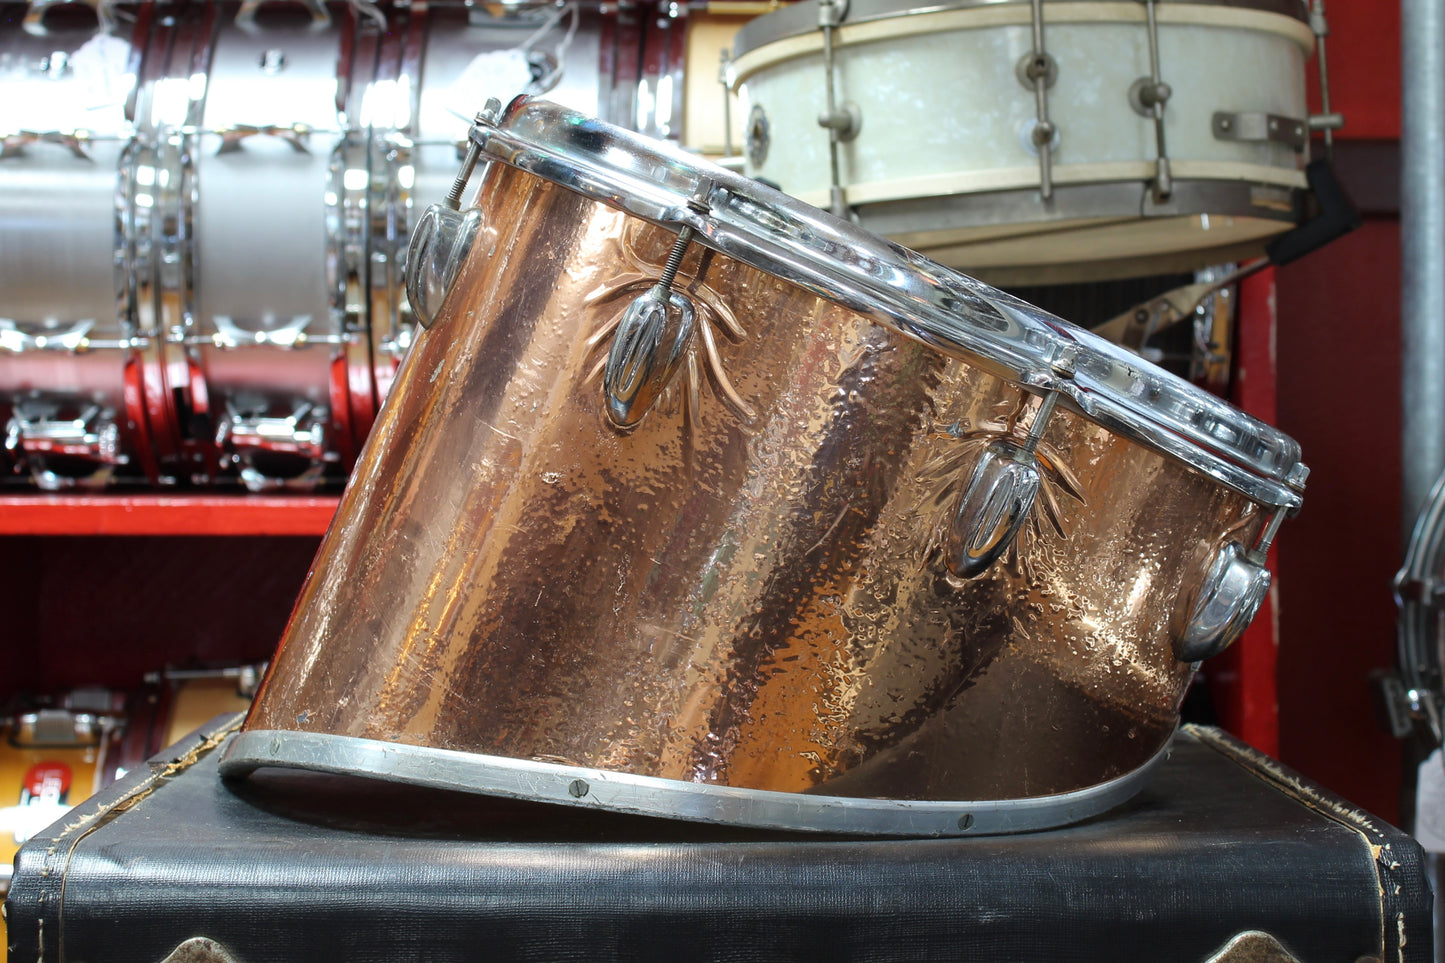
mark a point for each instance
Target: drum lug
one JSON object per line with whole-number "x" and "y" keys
{"x": 650, "y": 345}
{"x": 993, "y": 508}
{"x": 257, "y": 443}
{"x": 1327, "y": 120}
{"x": 1233, "y": 591}
{"x": 1145, "y": 93}
{"x": 438, "y": 248}
{"x": 997, "y": 499}
{"x": 38, "y": 433}
{"x": 653, "y": 335}
{"x": 846, "y": 119}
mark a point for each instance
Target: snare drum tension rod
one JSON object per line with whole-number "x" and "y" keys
{"x": 653, "y": 335}
{"x": 489, "y": 116}
{"x": 842, "y": 121}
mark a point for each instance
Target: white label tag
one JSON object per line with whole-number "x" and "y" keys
{"x": 502, "y": 74}
{"x": 1430, "y": 804}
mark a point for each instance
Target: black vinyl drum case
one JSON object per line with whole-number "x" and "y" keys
{"x": 1225, "y": 855}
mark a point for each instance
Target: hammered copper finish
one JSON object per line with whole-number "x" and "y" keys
{"x": 747, "y": 588}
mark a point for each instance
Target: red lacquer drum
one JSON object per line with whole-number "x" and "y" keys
{"x": 696, "y": 501}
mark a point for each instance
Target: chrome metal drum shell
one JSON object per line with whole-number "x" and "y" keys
{"x": 747, "y": 589}
{"x": 63, "y": 128}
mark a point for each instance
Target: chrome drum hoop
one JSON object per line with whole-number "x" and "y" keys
{"x": 622, "y": 792}
{"x": 956, "y": 314}
{"x": 1420, "y": 623}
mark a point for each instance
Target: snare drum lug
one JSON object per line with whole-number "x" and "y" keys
{"x": 1031, "y": 66}
{"x": 846, "y": 120}
{"x": 439, "y": 246}
{"x": 1144, "y": 93}
{"x": 1232, "y": 593}
{"x": 841, "y": 121}
{"x": 1038, "y": 70}
{"x": 1154, "y": 94}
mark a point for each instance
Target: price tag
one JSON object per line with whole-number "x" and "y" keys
{"x": 1430, "y": 804}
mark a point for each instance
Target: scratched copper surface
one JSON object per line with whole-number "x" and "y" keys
{"x": 746, "y": 589}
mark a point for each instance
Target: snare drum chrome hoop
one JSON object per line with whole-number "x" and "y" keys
{"x": 948, "y": 80}
{"x": 879, "y": 549}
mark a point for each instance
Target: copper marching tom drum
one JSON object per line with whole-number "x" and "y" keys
{"x": 696, "y": 501}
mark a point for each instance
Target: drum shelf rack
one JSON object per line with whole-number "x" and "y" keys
{"x": 148, "y": 514}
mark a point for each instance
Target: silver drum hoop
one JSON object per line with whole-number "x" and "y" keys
{"x": 951, "y": 312}
{"x": 622, "y": 792}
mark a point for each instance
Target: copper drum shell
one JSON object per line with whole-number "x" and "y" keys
{"x": 746, "y": 589}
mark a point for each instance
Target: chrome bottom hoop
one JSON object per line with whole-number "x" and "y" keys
{"x": 671, "y": 798}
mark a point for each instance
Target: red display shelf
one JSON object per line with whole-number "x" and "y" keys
{"x": 165, "y": 514}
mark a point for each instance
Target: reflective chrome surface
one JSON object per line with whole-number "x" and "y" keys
{"x": 748, "y": 588}
{"x": 63, "y": 128}
{"x": 1420, "y": 625}
{"x": 220, "y": 195}
{"x": 643, "y": 795}
{"x": 788, "y": 239}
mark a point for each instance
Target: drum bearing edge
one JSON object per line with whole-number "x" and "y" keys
{"x": 622, "y": 792}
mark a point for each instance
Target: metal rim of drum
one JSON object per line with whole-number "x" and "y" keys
{"x": 1419, "y": 608}
{"x": 619, "y": 792}
{"x": 802, "y": 18}
{"x": 944, "y": 309}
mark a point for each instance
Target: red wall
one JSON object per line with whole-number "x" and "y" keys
{"x": 1339, "y": 395}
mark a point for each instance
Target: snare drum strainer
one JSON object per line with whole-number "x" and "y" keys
{"x": 695, "y": 501}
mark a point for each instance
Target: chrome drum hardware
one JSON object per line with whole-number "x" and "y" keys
{"x": 204, "y": 211}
